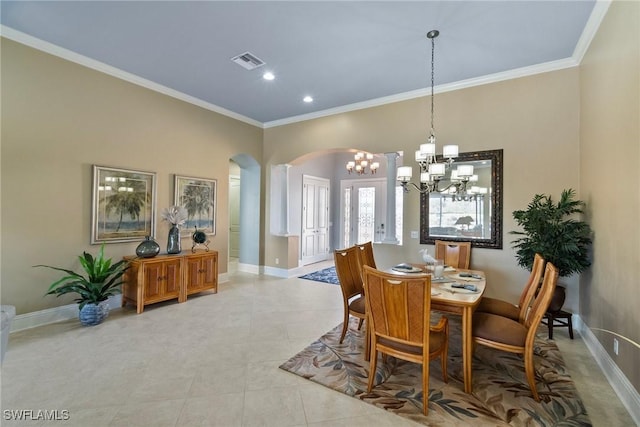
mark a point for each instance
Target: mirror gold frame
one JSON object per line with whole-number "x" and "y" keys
{"x": 493, "y": 240}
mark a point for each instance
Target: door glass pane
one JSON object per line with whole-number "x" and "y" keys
{"x": 346, "y": 224}
{"x": 366, "y": 214}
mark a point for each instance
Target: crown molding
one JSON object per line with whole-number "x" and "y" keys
{"x": 462, "y": 84}
{"x": 590, "y": 29}
{"x": 69, "y": 55}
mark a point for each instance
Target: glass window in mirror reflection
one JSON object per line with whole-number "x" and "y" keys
{"x": 459, "y": 218}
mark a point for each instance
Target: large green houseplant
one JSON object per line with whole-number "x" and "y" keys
{"x": 101, "y": 280}
{"x": 555, "y": 231}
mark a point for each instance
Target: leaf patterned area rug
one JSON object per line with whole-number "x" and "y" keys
{"x": 500, "y": 397}
{"x": 326, "y": 275}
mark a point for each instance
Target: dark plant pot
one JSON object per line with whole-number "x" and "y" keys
{"x": 93, "y": 314}
{"x": 557, "y": 300}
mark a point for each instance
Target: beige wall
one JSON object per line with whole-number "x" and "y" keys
{"x": 610, "y": 141}
{"x": 556, "y": 128}
{"x": 58, "y": 119}
{"x": 534, "y": 119}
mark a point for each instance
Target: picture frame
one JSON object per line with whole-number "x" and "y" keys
{"x": 198, "y": 197}
{"x": 123, "y": 207}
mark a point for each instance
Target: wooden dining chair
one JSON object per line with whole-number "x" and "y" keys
{"x": 509, "y": 335}
{"x": 454, "y": 254}
{"x": 366, "y": 254}
{"x": 512, "y": 311}
{"x": 348, "y": 270}
{"x": 399, "y": 313}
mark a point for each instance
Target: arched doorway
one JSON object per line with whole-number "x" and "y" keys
{"x": 244, "y": 213}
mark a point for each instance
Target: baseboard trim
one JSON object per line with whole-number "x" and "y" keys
{"x": 249, "y": 268}
{"x": 283, "y": 272}
{"x": 624, "y": 389}
{"x": 54, "y": 314}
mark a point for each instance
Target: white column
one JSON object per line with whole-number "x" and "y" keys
{"x": 390, "y": 228}
{"x": 280, "y": 199}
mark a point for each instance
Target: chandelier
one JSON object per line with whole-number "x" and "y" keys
{"x": 360, "y": 163}
{"x": 432, "y": 171}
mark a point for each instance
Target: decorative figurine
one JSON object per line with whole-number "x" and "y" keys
{"x": 199, "y": 238}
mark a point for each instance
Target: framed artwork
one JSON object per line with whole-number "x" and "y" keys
{"x": 123, "y": 206}
{"x": 198, "y": 197}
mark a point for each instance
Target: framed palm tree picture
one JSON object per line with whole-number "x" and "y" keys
{"x": 198, "y": 197}
{"x": 123, "y": 205}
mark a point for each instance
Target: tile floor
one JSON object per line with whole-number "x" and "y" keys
{"x": 213, "y": 361}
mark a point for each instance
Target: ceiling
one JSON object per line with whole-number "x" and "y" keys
{"x": 344, "y": 54}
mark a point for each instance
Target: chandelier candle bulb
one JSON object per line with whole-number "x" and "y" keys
{"x": 465, "y": 171}
{"x": 450, "y": 151}
{"x": 404, "y": 173}
{"x": 437, "y": 169}
{"x": 428, "y": 149}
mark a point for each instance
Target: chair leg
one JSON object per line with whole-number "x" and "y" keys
{"x": 444, "y": 355}
{"x": 360, "y": 324}
{"x": 530, "y": 370}
{"x": 425, "y": 387}
{"x": 570, "y": 325}
{"x": 372, "y": 366}
{"x": 345, "y": 325}
{"x": 550, "y": 324}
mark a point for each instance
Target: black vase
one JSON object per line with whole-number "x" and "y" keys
{"x": 148, "y": 249}
{"x": 173, "y": 241}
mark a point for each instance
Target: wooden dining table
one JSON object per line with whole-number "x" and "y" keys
{"x": 446, "y": 299}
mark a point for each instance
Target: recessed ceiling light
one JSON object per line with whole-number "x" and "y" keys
{"x": 268, "y": 76}
{"x": 307, "y": 99}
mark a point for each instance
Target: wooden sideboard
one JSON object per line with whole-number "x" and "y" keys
{"x": 168, "y": 277}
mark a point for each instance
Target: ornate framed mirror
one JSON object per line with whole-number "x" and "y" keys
{"x": 474, "y": 217}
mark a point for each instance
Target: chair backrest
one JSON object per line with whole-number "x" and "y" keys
{"x": 366, "y": 254}
{"x": 455, "y": 254}
{"x": 399, "y": 307}
{"x": 348, "y": 270}
{"x": 541, "y": 301}
{"x": 532, "y": 286}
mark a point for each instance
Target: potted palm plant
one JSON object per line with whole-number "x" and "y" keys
{"x": 101, "y": 280}
{"x": 554, "y": 231}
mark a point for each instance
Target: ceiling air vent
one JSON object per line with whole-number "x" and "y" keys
{"x": 248, "y": 60}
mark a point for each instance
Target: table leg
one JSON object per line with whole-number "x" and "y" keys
{"x": 467, "y": 348}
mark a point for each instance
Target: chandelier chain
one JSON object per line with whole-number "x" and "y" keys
{"x": 433, "y": 47}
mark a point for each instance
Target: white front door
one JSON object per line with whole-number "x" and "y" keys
{"x": 315, "y": 219}
{"x": 363, "y": 207}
